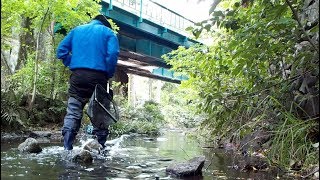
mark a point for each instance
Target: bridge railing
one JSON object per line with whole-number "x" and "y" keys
{"x": 154, "y": 12}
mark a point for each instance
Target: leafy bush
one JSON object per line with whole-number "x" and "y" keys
{"x": 144, "y": 120}
{"x": 135, "y": 126}
{"x": 252, "y": 59}
{"x": 152, "y": 111}
{"x": 179, "y": 106}
{"x": 21, "y": 81}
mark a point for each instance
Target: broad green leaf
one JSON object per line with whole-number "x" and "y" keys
{"x": 217, "y": 13}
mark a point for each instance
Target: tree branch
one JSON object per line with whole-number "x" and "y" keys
{"x": 214, "y": 5}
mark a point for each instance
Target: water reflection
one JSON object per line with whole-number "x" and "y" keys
{"x": 128, "y": 157}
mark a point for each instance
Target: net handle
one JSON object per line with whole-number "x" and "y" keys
{"x": 101, "y": 105}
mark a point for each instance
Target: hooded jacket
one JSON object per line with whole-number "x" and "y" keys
{"x": 90, "y": 46}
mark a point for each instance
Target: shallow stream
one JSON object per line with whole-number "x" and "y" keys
{"x": 130, "y": 157}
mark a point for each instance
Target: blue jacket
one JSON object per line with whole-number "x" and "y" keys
{"x": 91, "y": 46}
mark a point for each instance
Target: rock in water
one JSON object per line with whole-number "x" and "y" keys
{"x": 249, "y": 163}
{"x": 193, "y": 167}
{"x": 83, "y": 157}
{"x": 30, "y": 145}
{"x": 93, "y": 146}
{"x": 40, "y": 134}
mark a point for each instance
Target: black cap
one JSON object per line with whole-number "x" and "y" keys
{"x": 102, "y": 18}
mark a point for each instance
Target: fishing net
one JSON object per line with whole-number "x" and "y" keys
{"x": 102, "y": 110}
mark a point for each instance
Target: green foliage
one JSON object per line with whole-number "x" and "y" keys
{"x": 42, "y": 15}
{"x": 292, "y": 144}
{"x": 179, "y": 106}
{"x": 245, "y": 66}
{"x": 10, "y": 17}
{"x": 144, "y": 120}
{"x": 120, "y": 99}
{"x": 114, "y": 26}
{"x": 10, "y": 119}
{"x": 152, "y": 111}
{"x": 69, "y": 13}
{"x": 21, "y": 81}
{"x": 135, "y": 126}
{"x": 233, "y": 74}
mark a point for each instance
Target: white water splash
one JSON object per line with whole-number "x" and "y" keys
{"x": 9, "y": 158}
{"x": 89, "y": 169}
{"x": 113, "y": 146}
{"x": 52, "y": 150}
{"x": 161, "y": 139}
{"x": 50, "y": 153}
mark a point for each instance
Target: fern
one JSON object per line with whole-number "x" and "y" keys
{"x": 9, "y": 113}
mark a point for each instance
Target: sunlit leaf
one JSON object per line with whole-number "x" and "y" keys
{"x": 189, "y": 28}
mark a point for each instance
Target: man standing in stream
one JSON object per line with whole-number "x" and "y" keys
{"x": 91, "y": 53}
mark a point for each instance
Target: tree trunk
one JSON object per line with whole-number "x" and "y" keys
{"x": 27, "y": 42}
{"x": 53, "y": 80}
{"x": 5, "y": 69}
{"x": 4, "y": 64}
{"x": 35, "y": 75}
{"x": 36, "y": 63}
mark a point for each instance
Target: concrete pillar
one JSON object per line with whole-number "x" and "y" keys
{"x": 150, "y": 87}
{"x": 131, "y": 91}
{"x": 141, "y": 89}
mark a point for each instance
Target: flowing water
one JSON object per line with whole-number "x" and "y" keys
{"x": 129, "y": 157}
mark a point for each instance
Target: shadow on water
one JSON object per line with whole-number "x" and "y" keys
{"x": 129, "y": 157}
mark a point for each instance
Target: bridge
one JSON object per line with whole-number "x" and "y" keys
{"x": 147, "y": 31}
